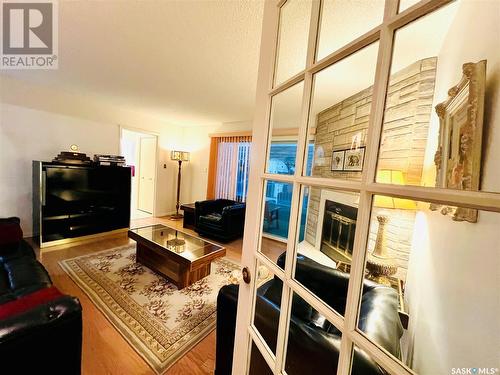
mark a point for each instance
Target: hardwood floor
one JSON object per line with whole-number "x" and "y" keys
{"x": 104, "y": 349}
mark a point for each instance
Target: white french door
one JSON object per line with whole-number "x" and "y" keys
{"x": 341, "y": 66}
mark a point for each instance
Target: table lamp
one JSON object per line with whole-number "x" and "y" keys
{"x": 380, "y": 264}
{"x": 178, "y": 156}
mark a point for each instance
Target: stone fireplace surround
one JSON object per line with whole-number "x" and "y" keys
{"x": 406, "y": 124}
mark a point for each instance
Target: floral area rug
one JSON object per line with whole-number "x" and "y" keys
{"x": 159, "y": 321}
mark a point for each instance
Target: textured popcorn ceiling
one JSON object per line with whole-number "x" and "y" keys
{"x": 186, "y": 62}
{"x": 195, "y": 62}
{"x": 419, "y": 40}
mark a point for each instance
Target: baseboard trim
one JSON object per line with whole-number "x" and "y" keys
{"x": 161, "y": 214}
{"x": 96, "y": 236}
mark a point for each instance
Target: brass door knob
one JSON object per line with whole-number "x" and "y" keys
{"x": 246, "y": 275}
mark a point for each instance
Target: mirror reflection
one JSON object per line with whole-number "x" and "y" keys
{"x": 324, "y": 251}
{"x": 292, "y": 40}
{"x": 258, "y": 365}
{"x": 343, "y": 21}
{"x": 440, "y": 106}
{"x": 267, "y": 305}
{"x": 311, "y": 336}
{"x": 339, "y": 116}
{"x": 284, "y": 130}
{"x": 424, "y": 274}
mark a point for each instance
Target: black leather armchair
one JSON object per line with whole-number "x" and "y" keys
{"x": 40, "y": 328}
{"x": 221, "y": 219}
{"x": 314, "y": 343}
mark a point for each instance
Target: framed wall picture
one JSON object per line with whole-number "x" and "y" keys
{"x": 353, "y": 160}
{"x": 338, "y": 160}
{"x": 458, "y": 157}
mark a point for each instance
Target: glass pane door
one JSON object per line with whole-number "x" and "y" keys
{"x": 373, "y": 195}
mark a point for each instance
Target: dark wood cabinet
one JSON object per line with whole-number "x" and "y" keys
{"x": 71, "y": 201}
{"x": 189, "y": 219}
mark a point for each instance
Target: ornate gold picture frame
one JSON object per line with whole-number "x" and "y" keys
{"x": 458, "y": 157}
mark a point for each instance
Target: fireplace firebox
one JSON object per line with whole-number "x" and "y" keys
{"x": 339, "y": 227}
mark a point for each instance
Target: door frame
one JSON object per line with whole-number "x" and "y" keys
{"x": 246, "y": 333}
{"x": 156, "y": 136}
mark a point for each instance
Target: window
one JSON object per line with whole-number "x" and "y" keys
{"x": 229, "y": 167}
{"x": 243, "y": 171}
{"x": 279, "y": 194}
{"x": 233, "y": 168}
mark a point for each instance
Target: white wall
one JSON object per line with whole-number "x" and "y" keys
{"x": 28, "y": 134}
{"x": 36, "y": 123}
{"x": 454, "y": 269}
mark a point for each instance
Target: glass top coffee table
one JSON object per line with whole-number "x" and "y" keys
{"x": 180, "y": 257}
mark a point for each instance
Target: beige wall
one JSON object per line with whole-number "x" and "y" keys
{"x": 455, "y": 267}
{"x": 36, "y": 123}
{"x": 28, "y": 134}
{"x": 47, "y": 121}
{"x": 197, "y": 141}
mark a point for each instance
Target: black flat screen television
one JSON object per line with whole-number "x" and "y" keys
{"x": 83, "y": 200}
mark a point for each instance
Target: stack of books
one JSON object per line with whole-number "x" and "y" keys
{"x": 113, "y": 160}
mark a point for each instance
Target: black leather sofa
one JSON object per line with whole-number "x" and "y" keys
{"x": 40, "y": 328}
{"x": 314, "y": 343}
{"x": 220, "y": 219}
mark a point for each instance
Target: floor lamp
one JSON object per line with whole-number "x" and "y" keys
{"x": 178, "y": 156}
{"x": 380, "y": 264}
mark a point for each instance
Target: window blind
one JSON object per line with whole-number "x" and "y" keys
{"x": 232, "y": 158}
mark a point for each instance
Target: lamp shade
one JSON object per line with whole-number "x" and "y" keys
{"x": 386, "y": 176}
{"x": 179, "y": 155}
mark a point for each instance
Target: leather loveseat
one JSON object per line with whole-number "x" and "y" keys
{"x": 314, "y": 343}
{"x": 220, "y": 219}
{"x": 40, "y": 328}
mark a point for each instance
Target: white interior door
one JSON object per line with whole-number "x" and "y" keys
{"x": 337, "y": 71}
{"x": 147, "y": 164}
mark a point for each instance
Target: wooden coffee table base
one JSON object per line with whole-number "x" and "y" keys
{"x": 180, "y": 274}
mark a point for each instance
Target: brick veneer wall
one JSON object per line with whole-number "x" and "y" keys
{"x": 404, "y": 137}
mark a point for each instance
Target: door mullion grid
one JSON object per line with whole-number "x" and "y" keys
{"x": 393, "y": 22}
{"x": 287, "y": 84}
{"x": 265, "y": 261}
{"x": 479, "y": 200}
{"x": 367, "y": 188}
{"x": 365, "y": 200}
{"x": 287, "y": 293}
{"x": 355, "y": 283}
{"x": 417, "y": 10}
{"x": 334, "y": 183}
{"x": 389, "y": 363}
